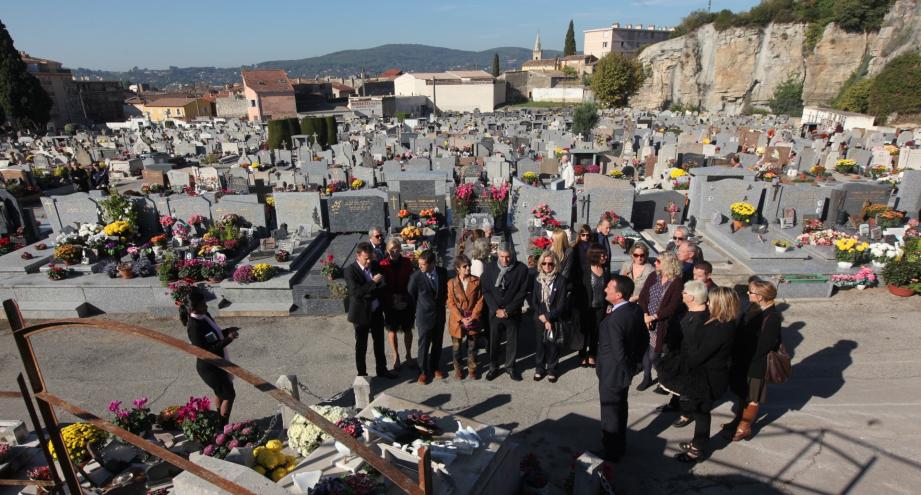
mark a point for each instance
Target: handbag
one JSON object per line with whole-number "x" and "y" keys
{"x": 779, "y": 368}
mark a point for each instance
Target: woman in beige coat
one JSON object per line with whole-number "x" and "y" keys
{"x": 465, "y": 306}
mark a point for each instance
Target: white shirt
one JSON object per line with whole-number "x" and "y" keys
{"x": 476, "y": 268}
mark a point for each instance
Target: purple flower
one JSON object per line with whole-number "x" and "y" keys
{"x": 140, "y": 403}
{"x": 236, "y": 426}
{"x": 209, "y": 450}
{"x": 228, "y": 429}
{"x": 220, "y": 439}
{"x": 233, "y": 444}
{"x": 247, "y": 431}
{"x": 114, "y": 405}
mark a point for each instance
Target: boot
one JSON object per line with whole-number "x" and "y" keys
{"x": 749, "y": 415}
{"x": 458, "y": 371}
{"x": 471, "y": 370}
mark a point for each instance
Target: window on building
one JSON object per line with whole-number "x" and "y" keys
{"x": 252, "y": 103}
{"x": 604, "y": 44}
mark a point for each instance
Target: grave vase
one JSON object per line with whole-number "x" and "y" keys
{"x": 737, "y": 225}
{"x": 845, "y": 265}
{"x": 895, "y": 290}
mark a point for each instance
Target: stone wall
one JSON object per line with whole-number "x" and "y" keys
{"x": 722, "y": 70}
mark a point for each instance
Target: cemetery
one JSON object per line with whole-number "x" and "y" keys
{"x": 267, "y": 232}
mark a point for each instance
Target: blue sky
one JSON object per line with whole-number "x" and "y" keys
{"x": 118, "y": 35}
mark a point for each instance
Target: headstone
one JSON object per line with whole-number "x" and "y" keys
{"x": 183, "y": 206}
{"x": 355, "y": 213}
{"x": 603, "y": 194}
{"x": 64, "y": 211}
{"x": 246, "y": 206}
{"x": 418, "y": 195}
{"x": 208, "y": 179}
{"x": 527, "y": 165}
{"x": 856, "y": 195}
{"x": 153, "y": 177}
{"x": 299, "y": 208}
{"x": 910, "y": 193}
{"x": 650, "y": 206}
{"x": 178, "y": 179}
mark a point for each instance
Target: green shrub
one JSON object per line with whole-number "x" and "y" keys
{"x": 584, "y": 119}
{"x": 615, "y": 79}
{"x": 279, "y": 132}
{"x": 332, "y": 130}
{"x": 897, "y": 88}
{"x": 788, "y": 98}
{"x": 856, "y": 97}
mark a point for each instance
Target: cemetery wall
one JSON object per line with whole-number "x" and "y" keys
{"x": 717, "y": 69}
{"x": 565, "y": 95}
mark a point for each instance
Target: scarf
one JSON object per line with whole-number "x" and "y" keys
{"x": 546, "y": 286}
{"x": 500, "y": 279}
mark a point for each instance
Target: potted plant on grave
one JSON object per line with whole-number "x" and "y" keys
{"x": 263, "y": 272}
{"x": 890, "y": 218}
{"x": 39, "y": 473}
{"x": 845, "y": 166}
{"x": 198, "y": 422}
{"x": 282, "y": 256}
{"x": 214, "y": 271}
{"x": 338, "y": 290}
{"x": 903, "y": 276}
{"x": 137, "y": 420}
{"x": 781, "y": 246}
{"x": 742, "y": 214}
{"x": 69, "y": 254}
{"x": 464, "y": 200}
{"x": 530, "y": 178}
{"x": 410, "y": 234}
{"x": 405, "y": 217}
{"x": 330, "y": 269}
{"x": 496, "y": 199}
{"x": 56, "y": 272}
{"x": 849, "y": 252}
{"x": 672, "y": 209}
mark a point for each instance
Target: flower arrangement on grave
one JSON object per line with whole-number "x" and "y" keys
{"x": 883, "y": 252}
{"x": 781, "y": 244}
{"x": 864, "y": 276}
{"x": 68, "y": 253}
{"x": 263, "y": 272}
{"x": 681, "y": 186}
{"x": 116, "y": 207}
{"x": 593, "y": 168}
{"x": 197, "y": 421}
{"x": 351, "y": 426}
{"x": 158, "y": 240}
{"x": 272, "y": 463}
{"x": 818, "y": 171}
{"x": 430, "y": 217}
{"x": 270, "y": 201}
{"x": 742, "y": 212}
{"x": 7, "y": 245}
{"x": 168, "y": 419}
{"x": 405, "y": 214}
{"x": 336, "y": 186}
{"x": 329, "y": 268}
{"x": 530, "y": 178}
{"x": 231, "y": 220}
{"x": 845, "y": 166}
{"x": 352, "y": 484}
{"x": 891, "y": 149}
{"x": 767, "y": 175}
{"x": 243, "y": 274}
{"x": 282, "y": 256}
{"x": 189, "y": 191}
{"x": 496, "y": 199}
{"x": 39, "y": 473}
{"x": 167, "y": 221}
{"x": 464, "y": 199}
{"x": 812, "y": 225}
{"x": 179, "y": 290}
{"x": 190, "y": 269}
{"x": 543, "y": 213}
{"x": 78, "y": 437}
{"x": 539, "y": 245}
{"x": 579, "y": 170}
{"x": 234, "y": 435}
{"x": 677, "y": 172}
{"x": 890, "y": 218}
{"x": 356, "y": 184}
{"x": 826, "y": 237}
{"x": 304, "y": 436}
{"x": 137, "y": 420}
{"x": 196, "y": 220}
{"x": 152, "y": 188}
{"x": 213, "y": 270}
{"x": 851, "y": 250}
{"x": 616, "y": 173}
{"x": 410, "y": 233}
{"x": 876, "y": 171}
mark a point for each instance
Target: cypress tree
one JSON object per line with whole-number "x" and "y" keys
{"x": 569, "y": 47}
{"x": 319, "y": 126}
{"x": 22, "y": 99}
{"x": 294, "y": 128}
{"x": 307, "y": 126}
{"x": 495, "y": 65}
{"x": 278, "y": 133}
{"x": 332, "y": 131}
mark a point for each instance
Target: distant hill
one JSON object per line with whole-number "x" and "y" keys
{"x": 409, "y": 58}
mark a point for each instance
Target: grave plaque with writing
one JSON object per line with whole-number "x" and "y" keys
{"x": 418, "y": 195}
{"x": 299, "y": 208}
{"x": 355, "y": 213}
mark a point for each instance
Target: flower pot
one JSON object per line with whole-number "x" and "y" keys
{"x": 900, "y": 291}
{"x": 737, "y": 225}
{"x": 878, "y": 264}
{"x": 126, "y": 273}
{"x": 781, "y": 249}
{"x": 845, "y": 264}
{"x": 861, "y": 286}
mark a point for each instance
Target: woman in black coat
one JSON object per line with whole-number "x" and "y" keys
{"x": 705, "y": 364}
{"x": 549, "y": 297}
{"x": 672, "y": 369}
{"x": 206, "y": 334}
{"x": 592, "y": 303}
{"x": 758, "y": 335}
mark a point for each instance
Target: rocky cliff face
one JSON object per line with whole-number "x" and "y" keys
{"x": 724, "y": 70}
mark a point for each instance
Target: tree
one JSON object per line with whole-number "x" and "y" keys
{"x": 332, "y": 131}
{"x": 584, "y": 119}
{"x": 616, "y": 78}
{"x": 320, "y": 126}
{"x": 279, "y": 132}
{"x": 307, "y": 127}
{"x": 22, "y": 99}
{"x": 570, "y": 71}
{"x": 856, "y": 16}
{"x": 788, "y": 98}
{"x": 569, "y": 46}
{"x": 495, "y": 65}
{"x": 897, "y": 88}
{"x": 856, "y": 97}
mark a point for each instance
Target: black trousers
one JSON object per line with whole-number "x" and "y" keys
{"x": 428, "y": 354}
{"x": 613, "y": 423}
{"x": 699, "y": 411}
{"x": 510, "y": 325}
{"x": 546, "y": 354}
{"x": 376, "y": 329}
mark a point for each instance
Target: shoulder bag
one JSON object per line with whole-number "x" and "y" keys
{"x": 779, "y": 368}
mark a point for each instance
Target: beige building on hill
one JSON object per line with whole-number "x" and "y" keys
{"x": 454, "y": 91}
{"x": 628, "y": 39}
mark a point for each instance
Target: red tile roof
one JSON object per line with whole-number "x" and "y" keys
{"x": 267, "y": 81}
{"x": 391, "y": 73}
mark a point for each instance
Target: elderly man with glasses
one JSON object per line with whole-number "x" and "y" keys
{"x": 376, "y": 238}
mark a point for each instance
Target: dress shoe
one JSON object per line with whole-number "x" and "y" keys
{"x": 440, "y": 375}
{"x": 388, "y": 375}
{"x": 492, "y": 375}
{"x": 644, "y": 385}
{"x": 552, "y": 379}
{"x": 538, "y": 377}
{"x": 514, "y": 375}
{"x": 681, "y": 422}
{"x": 423, "y": 379}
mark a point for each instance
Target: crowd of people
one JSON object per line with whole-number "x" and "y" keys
{"x": 664, "y": 316}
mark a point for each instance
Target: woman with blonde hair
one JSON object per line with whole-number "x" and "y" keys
{"x": 563, "y": 252}
{"x": 479, "y": 256}
{"x": 549, "y": 298}
{"x": 706, "y": 365}
{"x": 638, "y": 268}
{"x": 758, "y": 335}
{"x": 662, "y": 308}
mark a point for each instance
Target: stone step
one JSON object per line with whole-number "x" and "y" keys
{"x": 319, "y": 307}
{"x": 50, "y": 310}
{"x": 256, "y": 309}
{"x": 256, "y": 294}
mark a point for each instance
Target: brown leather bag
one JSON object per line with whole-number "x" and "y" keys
{"x": 779, "y": 368}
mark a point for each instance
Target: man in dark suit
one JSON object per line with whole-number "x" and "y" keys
{"x": 505, "y": 284}
{"x": 618, "y": 341}
{"x": 602, "y": 231}
{"x": 376, "y": 238}
{"x": 366, "y": 284}
{"x": 429, "y": 288}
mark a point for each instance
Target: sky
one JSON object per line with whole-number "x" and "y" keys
{"x": 119, "y": 34}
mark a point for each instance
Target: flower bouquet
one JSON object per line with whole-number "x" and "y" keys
{"x": 78, "y": 438}
{"x": 282, "y": 256}
{"x": 540, "y": 244}
{"x": 244, "y": 434}
{"x": 883, "y": 252}
{"x": 546, "y": 216}
{"x": 179, "y": 290}
{"x": 357, "y": 184}
{"x": 405, "y": 214}
{"x": 198, "y": 421}
{"x": 812, "y": 225}
{"x": 862, "y": 279}
{"x": 335, "y": 186}
{"x": 191, "y": 269}
{"x": 464, "y": 199}
{"x": 272, "y": 463}
{"x": 329, "y": 268}
{"x": 818, "y": 171}
{"x": 849, "y": 251}
{"x": 137, "y": 420}
{"x": 890, "y": 218}
{"x": 263, "y": 272}
{"x": 496, "y": 199}
{"x": 410, "y": 233}
{"x": 530, "y": 178}
{"x": 616, "y": 173}
{"x": 213, "y": 271}
{"x": 424, "y": 424}
{"x": 304, "y": 436}
{"x": 68, "y": 253}
{"x": 39, "y": 473}
{"x": 244, "y": 274}
{"x": 430, "y": 218}
{"x": 56, "y": 272}
{"x": 845, "y": 166}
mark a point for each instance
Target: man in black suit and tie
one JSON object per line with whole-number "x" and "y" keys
{"x": 429, "y": 288}
{"x": 505, "y": 285}
{"x": 366, "y": 289}
{"x": 618, "y": 340}
{"x": 602, "y": 231}
{"x": 378, "y": 247}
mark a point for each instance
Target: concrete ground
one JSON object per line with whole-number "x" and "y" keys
{"x": 845, "y": 423}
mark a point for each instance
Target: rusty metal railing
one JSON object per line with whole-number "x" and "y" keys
{"x": 47, "y": 402}
{"x": 54, "y": 484}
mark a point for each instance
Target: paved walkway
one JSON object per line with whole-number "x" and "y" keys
{"x": 847, "y": 422}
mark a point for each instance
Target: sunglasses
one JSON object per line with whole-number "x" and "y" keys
{"x": 639, "y": 255}
{"x": 547, "y": 264}
{"x": 678, "y": 238}
{"x": 583, "y": 235}
{"x": 464, "y": 266}
{"x": 753, "y": 293}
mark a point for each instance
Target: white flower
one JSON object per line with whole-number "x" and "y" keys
{"x": 305, "y": 436}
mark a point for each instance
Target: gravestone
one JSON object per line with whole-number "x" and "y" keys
{"x": 418, "y": 195}
{"x": 549, "y": 166}
{"x": 910, "y": 158}
{"x": 418, "y": 165}
{"x": 650, "y": 206}
{"x": 910, "y": 193}
{"x": 153, "y": 177}
{"x": 355, "y": 213}
{"x": 855, "y": 195}
{"x": 526, "y": 165}
{"x": 148, "y": 216}
{"x": 299, "y": 208}
{"x": 183, "y": 206}
{"x": 603, "y": 194}
{"x": 245, "y": 206}
{"x": 807, "y": 201}
{"x": 365, "y": 174}
{"x": 208, "y": 179}
{"x": 862, "y": 157}
{"x": 64, "y": 211}
{"x": 178, "y": 179}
